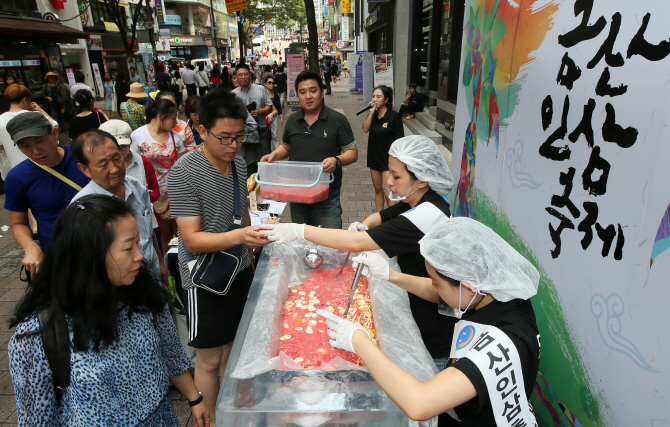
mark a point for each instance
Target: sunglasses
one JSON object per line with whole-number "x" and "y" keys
{"x": 270, "y": 83}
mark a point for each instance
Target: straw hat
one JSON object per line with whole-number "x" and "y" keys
{"x": 136, "y": 91}
{"x": 50, "y": 74}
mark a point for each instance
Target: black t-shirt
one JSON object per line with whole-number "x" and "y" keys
{"x": 383, "y": 132}
{"x": 79, "y": 125}
{"x": 326, "y": 137}
{"x": 399, "y": 234}
{"x": 280, "y": 82}
{"x": 516, "y": 319}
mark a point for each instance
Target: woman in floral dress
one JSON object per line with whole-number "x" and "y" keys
{"x": 157, "y": 141}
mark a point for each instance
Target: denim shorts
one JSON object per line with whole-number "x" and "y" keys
{"x": 327, "y": 213}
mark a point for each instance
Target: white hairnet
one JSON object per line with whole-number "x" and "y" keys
{"x": 423, "y": 159}
{"x": 464, "y": 249}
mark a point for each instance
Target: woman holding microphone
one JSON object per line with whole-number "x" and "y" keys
{"x": 384, "y": 126}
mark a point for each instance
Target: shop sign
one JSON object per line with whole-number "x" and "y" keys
{"x": 346, "y": 6}
{"x": 172, "y": 20}
{"x": 372, "y": 18}
{"x": 98, "y": 80}
{"x": 94, "y": 42}
{"x": 70, "y": 76}
{"x": 345, "y": 28}
{"x": 340, "y": 44}
{"x": 447, "y": 6}
{"x": 10, "y": 63}
{"x": 85, "y": 14}
{"x": 160, "y": 12}
{"x": 165, "y": 32}
{"x": 111, "y": 27}
{"x": 31, "y": 62}
{"x": 333, "y": 33}
{"x": 163, "y": 45}
{"x": 236, "y": 5}
{"x": 234, "y": 30}
{"x": 202, "y": 9}
{"x": 50, "y": 17}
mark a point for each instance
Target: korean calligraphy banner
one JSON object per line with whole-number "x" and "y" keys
{"x": 561, "y": 146}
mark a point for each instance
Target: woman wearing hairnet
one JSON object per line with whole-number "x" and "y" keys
{"x": 495, "y": 353}
{"x": 420, "y": 180}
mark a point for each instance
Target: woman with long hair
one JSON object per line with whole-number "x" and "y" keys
{"x": 215, "y": 75}
{"x": 384, "y": 126}
{"x": 271, "y": 118}
{"x": 87, "y": 119}
{"x": 108, "y": 84}
{"x": 181, "y": 127}
{"x": 124, "y": 349}
{"x": 157, "y": 141}
{"x": 58, "y": 102}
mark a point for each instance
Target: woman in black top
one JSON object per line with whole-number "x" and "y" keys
{"x": 487, "y": 285}
{"x": 87, "y": 119}
{"x": 384, "y": 126}
{"x": 420, "y": 180}
{"x": 271, "y": 118}
{"x": 121, "y": 89}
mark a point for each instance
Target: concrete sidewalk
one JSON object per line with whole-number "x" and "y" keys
{"x": 357, "y": 203}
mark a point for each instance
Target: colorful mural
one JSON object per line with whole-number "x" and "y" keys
{"x": 581, "y": 192}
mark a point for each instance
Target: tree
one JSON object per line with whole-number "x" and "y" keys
{"x": 115, "y": 10}
{"x": 254, "y": 17}
{"x": 293, "y": 15}
{"x": 313, "y": 42}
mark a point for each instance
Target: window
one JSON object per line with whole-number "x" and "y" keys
{"x": 29, "y": 5}
{"x": 101, "y": 15}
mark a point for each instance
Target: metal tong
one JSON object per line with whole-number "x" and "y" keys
{"x": 354, "y": 286}
{"x": 343, "y": 265}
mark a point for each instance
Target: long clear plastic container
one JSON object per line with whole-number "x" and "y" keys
{"x": 256, "y": 391}
{"x": 298, "y": 182}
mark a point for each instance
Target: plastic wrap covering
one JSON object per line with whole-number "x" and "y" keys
{"x": 263, "y": 387}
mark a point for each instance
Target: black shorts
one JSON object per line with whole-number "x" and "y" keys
{"x": 212, "y": 318}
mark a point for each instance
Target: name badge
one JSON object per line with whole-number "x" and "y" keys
{"x": 385, "y": 125}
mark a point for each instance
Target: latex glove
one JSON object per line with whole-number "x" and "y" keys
{"x": 375, "y": 265}
{"x": 341, "y": 331}
{"x": 284, "y": 233}
{"x": 358, "y": 226}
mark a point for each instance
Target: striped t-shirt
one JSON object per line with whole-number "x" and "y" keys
{"x": 197, "y": 188}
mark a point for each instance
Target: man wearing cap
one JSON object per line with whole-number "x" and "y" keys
{"x": 45, "y": 184}
{"x": 131, "y": 111}
{"x": 100, "y": 159}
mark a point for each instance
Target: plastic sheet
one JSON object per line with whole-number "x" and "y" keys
{"x": 397, "y": 333}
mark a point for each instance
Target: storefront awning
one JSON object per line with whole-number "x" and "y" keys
{"x": 30, "y": 27}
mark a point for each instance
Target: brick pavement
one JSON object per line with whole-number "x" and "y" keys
{"x": 357, "y": 203}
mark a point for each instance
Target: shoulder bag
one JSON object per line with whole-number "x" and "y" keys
{"x": 58, "y": 175}
{"x": 216, "y": 271}
{"x": 56, "y": 342}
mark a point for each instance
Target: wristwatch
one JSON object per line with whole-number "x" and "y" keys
{"x": 195, "y": 402}
{"x": 338, "y": 162}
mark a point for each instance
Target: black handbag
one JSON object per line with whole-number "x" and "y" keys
{"x": 216, "y": 271}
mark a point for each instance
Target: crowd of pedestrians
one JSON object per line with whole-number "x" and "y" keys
{"x": 95, "y": 219}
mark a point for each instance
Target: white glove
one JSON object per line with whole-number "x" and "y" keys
{"x": 284, "y": 233}
{"x": 375, "y": 265}
{"x": 357, "y": 226}
{"x": 341, "y": 331}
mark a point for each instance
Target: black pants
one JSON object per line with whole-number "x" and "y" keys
{"x": 202, "y": 90}
{"x": 191, "y": 89}
{"x": 411, "y": 108}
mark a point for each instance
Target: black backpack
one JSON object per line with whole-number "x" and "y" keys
{"x": 162, "y": 82}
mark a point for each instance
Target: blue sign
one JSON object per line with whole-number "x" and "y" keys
{"x": 359, "y": 69}
{"x": 160, "y": 12}
{"x": 172, "y": 20}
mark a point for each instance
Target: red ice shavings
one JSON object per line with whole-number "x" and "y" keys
{"x": 295, "y": 194}
{"x": 304, "y": 334}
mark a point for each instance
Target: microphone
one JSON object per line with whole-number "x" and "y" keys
{"x": 364, "y": 109}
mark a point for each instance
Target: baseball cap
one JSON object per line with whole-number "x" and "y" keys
{"x": 119, "y": 129}
{"x": 28, "y": 125}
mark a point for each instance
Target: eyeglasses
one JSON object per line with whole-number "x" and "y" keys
{"x": 270, "y": 83}
{"x": 239, "y": 139}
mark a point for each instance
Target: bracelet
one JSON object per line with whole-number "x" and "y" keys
{"x": 195, "y": 402}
